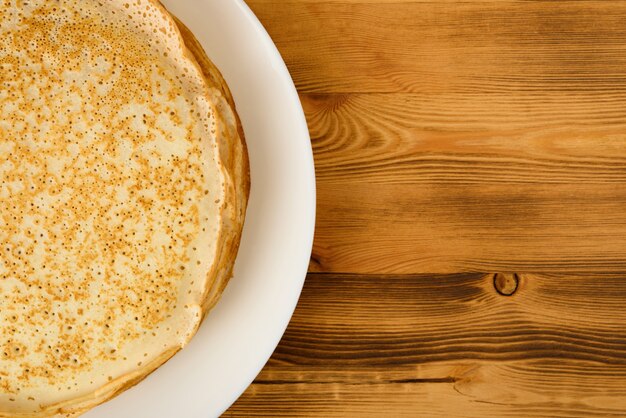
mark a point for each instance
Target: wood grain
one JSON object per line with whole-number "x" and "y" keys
{"x": 449, "y": 346}
{"x": 453, "y": 138}
{"x": 465, "y": 47}
{"x": 409, "y": 184}
{"x": 469, "y": 136}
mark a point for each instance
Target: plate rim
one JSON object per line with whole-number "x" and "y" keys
{"x": 306, "y": 138}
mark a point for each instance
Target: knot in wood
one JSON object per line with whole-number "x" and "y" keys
{"x": 506, "y": 283}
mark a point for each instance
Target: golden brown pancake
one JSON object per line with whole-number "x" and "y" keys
{"x": 123, "y": 188}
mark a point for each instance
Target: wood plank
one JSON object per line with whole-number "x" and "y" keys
{"x": 377, "y": 320}
{"x": 412, "y": 183}
{"x": 449, "y": 346}
{"x": 560, "y": 391}
{"x": 453, "y": 139}
{"x": 469, "y": 47}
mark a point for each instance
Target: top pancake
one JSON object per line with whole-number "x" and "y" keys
{"x": 123, "y": 186}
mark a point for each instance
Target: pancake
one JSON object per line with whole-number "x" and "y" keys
{"x": 123, "y": 188}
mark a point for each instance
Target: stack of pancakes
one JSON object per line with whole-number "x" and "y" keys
{"x": 123, "y": 188}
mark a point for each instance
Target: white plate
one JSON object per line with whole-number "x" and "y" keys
{"x": 239, "y": 335}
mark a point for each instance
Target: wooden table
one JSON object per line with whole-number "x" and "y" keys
{"x": 470, "y": 256}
